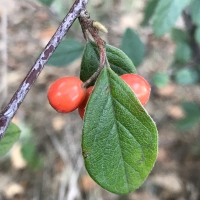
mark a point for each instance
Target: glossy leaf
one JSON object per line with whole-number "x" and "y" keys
{"x": 118, "y": 60}
{"x": 183, "y": 53}
{"x": 119, "y": 139}
{"x": 47, "y": 2}
{"x": 160, "y": 79}
{"x": 186, "y": 76}
{"x": 68, "y": 51}
{"x": 166, "y": 14}
{"x": 149, "y": 11}
{"x": 11, "y": 136}
{"x": 179, "y": 35}
{"x": 197, "y": 35}
{"x": 133, "y": 47}
{"x": 195, "y": 11}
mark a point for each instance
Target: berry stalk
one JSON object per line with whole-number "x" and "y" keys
{"x": 91, "y": 29}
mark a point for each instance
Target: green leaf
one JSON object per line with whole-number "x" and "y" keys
{"x": 11, "y": 136}
{"x": 118, "y": 60}
{"x": 160, "y": 79}
{"x": 192, "y": 118}
{"x": 195, "y": 11}
{"x": 197, "y": 35}
{"x": 183, "y": 53}
{"x": 149, "y": 11}
{"x": 166, "y": 14}
{"x": 68, "y": 51}
{"x": 175, "y": 65}
{"x": 187, "y": 123}
{"x": 133, "y": 47}
{"x": 179, "y": 35}
{"x": 47, "y": 2}
{"x": 186, "y": 76}
{"x": 31, "y": 156}
{"x": 119, "y": 140}
{"x": 191, "y": 109}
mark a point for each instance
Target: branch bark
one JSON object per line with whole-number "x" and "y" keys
{"x": 10, "y": 110}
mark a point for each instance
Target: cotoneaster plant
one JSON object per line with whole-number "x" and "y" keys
{"x": 119, "y": 138}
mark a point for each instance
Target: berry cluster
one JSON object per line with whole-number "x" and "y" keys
{"x": 67, "y": 94}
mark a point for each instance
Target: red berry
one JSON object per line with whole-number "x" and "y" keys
{"x": 81, "y": 108}
{"x": 139, "y": 85}
{"x": 66, "y": 94}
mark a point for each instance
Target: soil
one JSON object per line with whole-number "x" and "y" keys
{"x": 57, "y": 137}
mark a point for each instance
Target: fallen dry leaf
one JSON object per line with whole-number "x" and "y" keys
{"x": 13, "y": 189}
{"x": 59, "y": 165}
{"x": 170, "y": 182}
{"x": 87, "y": 183}
{"x": 143, "y": 196}
{"x": 162, "y": 155}
{"x": 167, "y": 91}
{"x": 58, "y": 123}
{"x": 46, "y": 35}
{"x": 17, "y": 159}
{"x": 176, "y": 112}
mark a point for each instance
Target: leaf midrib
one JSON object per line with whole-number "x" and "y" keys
{"x": 115, "y": 123}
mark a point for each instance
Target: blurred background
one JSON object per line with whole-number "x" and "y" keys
{"x": 46, "y": 163}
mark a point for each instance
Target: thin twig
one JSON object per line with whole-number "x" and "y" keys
{"x": 9, "y": 111}
{"x": 74, "y": 191}
{"x": 59, "y": 148}
{"x": 64, "y": 182}
{"x": 3, "y": 68}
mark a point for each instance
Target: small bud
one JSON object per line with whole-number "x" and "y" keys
{"x": 100, "y": 27}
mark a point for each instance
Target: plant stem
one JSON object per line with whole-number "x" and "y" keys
{"x": 89, "y": 30}
{"x": 9, "y": 111}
